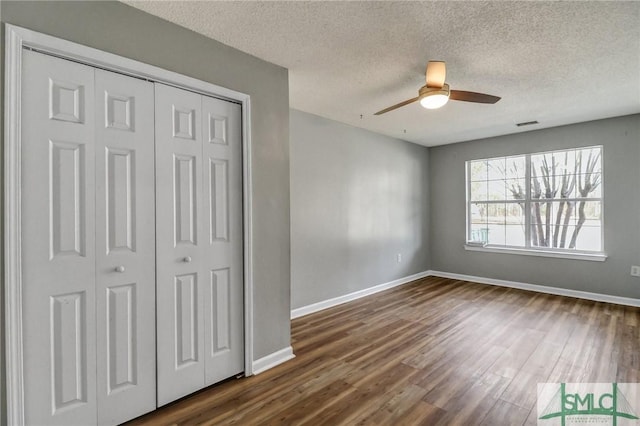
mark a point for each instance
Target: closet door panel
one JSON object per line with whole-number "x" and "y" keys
{"x": 58, "y": 241}
{"x": 125, "y": 241}
{"x": 223, "y": 292}
{"x": 180, "y": 235}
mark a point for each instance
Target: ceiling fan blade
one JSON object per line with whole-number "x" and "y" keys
{"x": 401, "y": 104}
{"x": 481, "y": 98}
{"x": 436, "y": 73}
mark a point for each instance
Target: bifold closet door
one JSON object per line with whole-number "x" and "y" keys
{"x": 125, "y": 247}
{"x": 58, "y": 242}
{"x": 87, "y": 244}
{"x": 199, "y": 241}
{"x": 223, "y": 292}
{"x": 179, "y": 211}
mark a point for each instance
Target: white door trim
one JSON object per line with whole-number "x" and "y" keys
{"x": 13, "y": 229}
{"x": 18, "y": 38}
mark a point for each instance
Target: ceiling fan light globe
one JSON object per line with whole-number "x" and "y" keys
{"x": 434, "y": 101}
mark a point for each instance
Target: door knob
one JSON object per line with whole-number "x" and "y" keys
{"x": 120, "y": 268}
{"x": 187, "y": 259}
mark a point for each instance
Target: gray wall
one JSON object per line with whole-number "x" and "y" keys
{"x": 123, "y": 30}
{"x": 621, "y": 139}
{"x": 3, "y": 402}
{"x": 357, "y": 200}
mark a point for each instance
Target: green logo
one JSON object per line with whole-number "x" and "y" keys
{"x": 588, "y": 403}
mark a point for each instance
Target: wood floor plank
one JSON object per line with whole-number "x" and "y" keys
{"x": 471, "y": 406}
{"x": 422, "y": 414}
{"x": 512, "y": 360}
{"x": 400, "y": 403}
{"x": 372, "y": 391}
{"x": 432, "y": 352}
{"x": 310, "y": 406}
{"x": 523, "y": 389}
{"x": 504, "y": 413}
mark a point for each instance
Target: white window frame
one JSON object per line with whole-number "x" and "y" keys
{"x": 528, "y": 249}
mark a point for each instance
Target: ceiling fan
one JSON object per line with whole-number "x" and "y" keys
{"x": 436, "y": 92}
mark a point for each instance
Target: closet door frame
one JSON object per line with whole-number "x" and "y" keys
{"x": 17, "y": 39}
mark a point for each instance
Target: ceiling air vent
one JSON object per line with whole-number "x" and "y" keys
{"x": 527, "y": 123}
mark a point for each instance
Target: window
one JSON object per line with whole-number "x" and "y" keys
{"x": 550, "y": 201}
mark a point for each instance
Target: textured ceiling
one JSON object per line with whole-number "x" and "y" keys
{"x": 555, "y": 62}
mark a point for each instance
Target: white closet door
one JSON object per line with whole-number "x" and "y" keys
{"x": 223, "y": 289}
{"x": 58, "y": 241}
{"x": 199, "y": 241}
{"x": 125, "y": 247}
{"x": 180, "y": 234}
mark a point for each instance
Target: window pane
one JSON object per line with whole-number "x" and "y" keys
{"x": 546, "y": 176}
{"x": 541, "y": 165}
{"x": 514, "y": 229}
{"x": 479, "y": 213}
{"x": 478, "y": 191}
{"x": 516, "y": 189}
{"x": 566, "y": 185}
{"x": 514, "y": 214}
{"x": 478, "y": 170}
{"x": 515, "y": 167}
{"x": 539, "y": 212}
{"x": 565, "y": 162}
{"x": 589, "y": 238}
{"x": 589, "y": 185}
{"x": 551, "y": 223}
{"x": 589, "y": 160}
{"x": 496, "y": 190}
{"x": 479, "y": 230}
{"x": 479, "y": 233}
{"x": 592, "y": 212}
{"x": 496, "y": 213}
{"x": 514, "y": 236}
{"x": 537, "y": 187}
{"x": 496, "y": 234}
{"x": 496, "y": 168}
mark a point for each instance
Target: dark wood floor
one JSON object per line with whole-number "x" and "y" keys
{"x": 436, "y": 351}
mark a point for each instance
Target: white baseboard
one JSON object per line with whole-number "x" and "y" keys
{"x": 267, "y": 362}
{"x": 315, "y": 307}
{"x": 598, "y": 297}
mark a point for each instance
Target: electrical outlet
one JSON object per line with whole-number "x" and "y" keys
{"x": 635, "y": 271}
{"x": 399, "y": 257}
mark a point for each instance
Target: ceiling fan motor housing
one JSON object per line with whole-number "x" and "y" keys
{"x": 429, "y": 91}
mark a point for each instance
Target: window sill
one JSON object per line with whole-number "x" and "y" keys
{"x": 594, "y": 257}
